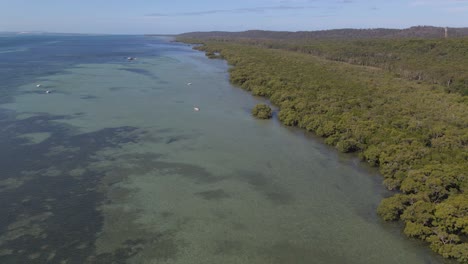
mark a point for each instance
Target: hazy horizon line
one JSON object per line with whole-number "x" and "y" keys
{"x": 31, "y": 32}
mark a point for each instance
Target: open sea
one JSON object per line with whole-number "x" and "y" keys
{"x": 114, "y": 165}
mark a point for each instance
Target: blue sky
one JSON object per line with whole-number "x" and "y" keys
{"x": 177, "y": 16}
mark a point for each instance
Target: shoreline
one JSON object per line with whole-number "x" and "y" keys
{"x": 213, "y": 48}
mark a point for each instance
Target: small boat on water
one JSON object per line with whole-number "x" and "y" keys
{"x": 196, "y": 109}
{"x": 189, "y": 83}
{"x": 38, "y": 85}
{"x": 47, "y": 92}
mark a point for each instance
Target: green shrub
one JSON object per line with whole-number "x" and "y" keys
{"x": 262, "y": 111}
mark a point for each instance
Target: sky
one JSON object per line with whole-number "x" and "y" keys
{"x": 178, "y": 16}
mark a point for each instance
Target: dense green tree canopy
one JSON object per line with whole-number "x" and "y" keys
{"x": 433, "y": 61}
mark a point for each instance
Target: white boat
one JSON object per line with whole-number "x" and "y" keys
{"x": 38, "y": 85}
{"x": 47, "y": 92}
{"x": 189, "y": 83}
{"x": 196, "y": 109}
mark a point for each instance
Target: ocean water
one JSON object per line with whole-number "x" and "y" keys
{"x": 113, "y": 165}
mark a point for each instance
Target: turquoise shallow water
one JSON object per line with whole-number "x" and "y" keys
{"x": 115, "y": 166}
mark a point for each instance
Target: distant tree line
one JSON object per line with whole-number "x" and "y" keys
{"x": 414, "y": 131}
{"x": 347, "y": 33}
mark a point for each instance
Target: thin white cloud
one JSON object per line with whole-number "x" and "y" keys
{"x": 278, "y": 5}
{"x": 233, "y": 11}
{"x": 437, "y": 2}
{"x": 459, "y": 9}
{"x": 448, "y": 6}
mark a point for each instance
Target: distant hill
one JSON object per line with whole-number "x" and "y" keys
{"x": 413, "y": 32}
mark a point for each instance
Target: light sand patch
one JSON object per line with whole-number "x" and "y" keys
{"x": 6, "y": 252}
{"x": 61, "y": 150}
{"x": 25, "y": 115}
{"x": 34, "y": 256}
{"x": 77, "y": 172}
{"x": 51, "y": 256}
{"x": 13, "y": 183}
{"x": 35, "y": 138}
{"x": 53, "y": 172}
{"x": 26, "y": 226}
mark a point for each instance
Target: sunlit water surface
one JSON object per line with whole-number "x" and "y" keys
{"x": 115, "y": 166}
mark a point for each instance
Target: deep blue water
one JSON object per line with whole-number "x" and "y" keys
{"x": 24, "y": 58}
